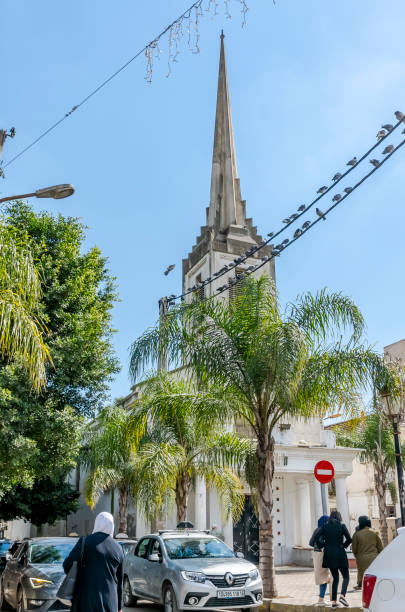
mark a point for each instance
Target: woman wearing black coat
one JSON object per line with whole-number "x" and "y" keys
{"x": 335, "y": 538}
{"x": 99, "y": 582}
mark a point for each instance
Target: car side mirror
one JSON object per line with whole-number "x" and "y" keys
{"x": 240, "y": 555}
{"x": 154, "y": 558}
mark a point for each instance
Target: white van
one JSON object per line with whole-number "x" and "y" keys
{"x": 384, "y": 582}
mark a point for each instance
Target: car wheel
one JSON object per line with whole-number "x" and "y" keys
{"x": 129, "y": 600}
{"x": 3, "y": 604}
{"x": 20, "y": 601}
{"x": 169, "y": 600}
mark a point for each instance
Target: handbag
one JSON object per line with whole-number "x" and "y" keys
{"x": 67, "y": 587}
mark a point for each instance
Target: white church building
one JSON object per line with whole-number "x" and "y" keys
{"x": 300, "y": 444}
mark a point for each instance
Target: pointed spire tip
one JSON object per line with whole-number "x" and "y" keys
{"x": 222, "y": 35}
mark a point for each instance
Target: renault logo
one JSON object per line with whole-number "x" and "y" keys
{"x": 229, "y": 579}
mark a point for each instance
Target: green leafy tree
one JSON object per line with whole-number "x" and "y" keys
{"x": 77, "y": 294}
{"x": 46, "y": 502}
{"x": 373, "y": 434}
{"x": 270, "y": 364}
{"x": 183, "y": 439}
{"x": 110, "y": 457}
{"x": 21, "y": 329}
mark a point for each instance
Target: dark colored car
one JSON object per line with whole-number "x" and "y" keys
{"x": 32, "y": 576}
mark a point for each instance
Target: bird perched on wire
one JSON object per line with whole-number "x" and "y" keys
{"x": 320, "y": 214}
{"x": 399, "y": 116}
{"x": 306, "y": 224}
{"x": 279, "y": 247}
{"x": 297, "y": 233}
{"x": 381, "y": 134}
{"x": 348, "y": 189}
{"x": 352, "y": 162}
{"x": 322, "y": 189}
{"x": 388, "y": 149}
{"x": 169, "y": 269}
{"x": 388, "y": 127}
{"x": 270, "y": 234}
{"x": 374, "y": 162}
{"x": 287, "y": 220}
{"x": 286, "y": 241}
{"x": 337, "y": 177}
{"x": 336, "y": 197}
{"x": 275, "y": 253}
{"x": 294, "y": 216}
{"x": 302, "y": 208}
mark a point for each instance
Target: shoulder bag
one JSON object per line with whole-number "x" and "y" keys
{"x": 67, "y": 588}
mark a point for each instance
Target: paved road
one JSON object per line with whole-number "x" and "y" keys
{"x": 144, "y": 607}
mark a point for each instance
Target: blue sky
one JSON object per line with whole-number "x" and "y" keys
{"x": 311, "y": 83}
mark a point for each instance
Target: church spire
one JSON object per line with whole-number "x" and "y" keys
{"x": 226, "y": 207}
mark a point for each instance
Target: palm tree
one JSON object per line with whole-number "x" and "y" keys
{"x": 372, "y": 433}
{"x": 184, "y": 439}
{"x": 21, "y": 331}
{"x": 109, "y": 456}
{"x": 269, "y": 364}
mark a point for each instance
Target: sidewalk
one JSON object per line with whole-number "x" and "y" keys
{"x": 298, "y": 592}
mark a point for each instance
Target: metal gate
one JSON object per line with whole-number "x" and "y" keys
{"x": 246, "y": 533}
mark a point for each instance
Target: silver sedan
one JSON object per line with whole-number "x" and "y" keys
{"x": 190, "y": 569}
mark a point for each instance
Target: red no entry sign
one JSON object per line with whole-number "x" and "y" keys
{"x": 324, "y": 471}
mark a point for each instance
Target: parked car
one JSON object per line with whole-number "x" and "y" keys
{"x": 190, "y": 569}
{"x": 5, "y": 546}
{"x": 384, "y": 582}
{"x": 128, "y": 546}
{"x": 32, "y": 576}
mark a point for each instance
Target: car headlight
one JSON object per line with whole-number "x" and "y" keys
{"x": 37, "y": 583}
{"x": 193, "y": 576}
{"x": 254, "y": 574}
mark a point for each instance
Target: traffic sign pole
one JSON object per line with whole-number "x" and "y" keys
{"x": 324, "y": 502}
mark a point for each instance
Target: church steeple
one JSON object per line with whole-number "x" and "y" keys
{"x": 225, "y": 207}
{"x": 227, "y": 232}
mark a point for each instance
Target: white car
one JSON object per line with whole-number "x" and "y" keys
{"x": 384, "y": 582}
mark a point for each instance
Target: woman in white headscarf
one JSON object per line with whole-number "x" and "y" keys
{"x": 99, "y": 583}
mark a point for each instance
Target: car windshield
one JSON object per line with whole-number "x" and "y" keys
{"x": 51, "y": 551}
{"x": 197, "y": 548}
{"x": 4, "y": 546}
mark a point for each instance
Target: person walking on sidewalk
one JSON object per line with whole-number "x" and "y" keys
{"x": 336, "y": 538}
{"x": 100, "y": 575}
{"x": 322, "y": 575}
{"x": 366, "y": 546}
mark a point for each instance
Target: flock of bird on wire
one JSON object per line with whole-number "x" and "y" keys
{"x": 382, "y": 133}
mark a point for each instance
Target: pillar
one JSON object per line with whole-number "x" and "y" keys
{"x": 142, "y": 526}
{"x": 342, "y": 505}
{"x": 316, "y": 487}
{"x": 200, "y": 513}
{"x": 228, "y": 532}
{"x": 304, "y": 513}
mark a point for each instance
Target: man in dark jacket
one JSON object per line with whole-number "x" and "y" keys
{"x": 336, "y": 538}
{"x": 100, "y": 575}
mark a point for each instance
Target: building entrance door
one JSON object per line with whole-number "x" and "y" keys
{"x": 246, "y": 533}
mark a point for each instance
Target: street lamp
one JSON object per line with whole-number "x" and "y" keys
{"x": 57, "y": 192}
{"x": 393, "y": 410}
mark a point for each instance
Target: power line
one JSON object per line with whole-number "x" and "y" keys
{"x": 151, "y": 45}
{"x": 243, "y": 258}
{"x": 325, "y": 213}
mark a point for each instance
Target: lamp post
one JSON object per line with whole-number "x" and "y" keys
{"x": 57, "y": 192}
{"x": 393, "y": 410}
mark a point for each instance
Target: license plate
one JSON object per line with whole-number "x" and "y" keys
{"x": 230, "y": 594}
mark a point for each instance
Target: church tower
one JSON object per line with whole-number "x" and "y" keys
{"x": 228, "y": 233}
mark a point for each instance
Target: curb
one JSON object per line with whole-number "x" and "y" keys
{"x": 277, "y": 606}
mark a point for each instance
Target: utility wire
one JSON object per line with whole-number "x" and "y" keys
{"x": 319, "y": 218}
{"x": 151, "y": 44}
{"x": 243, "y": 258}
